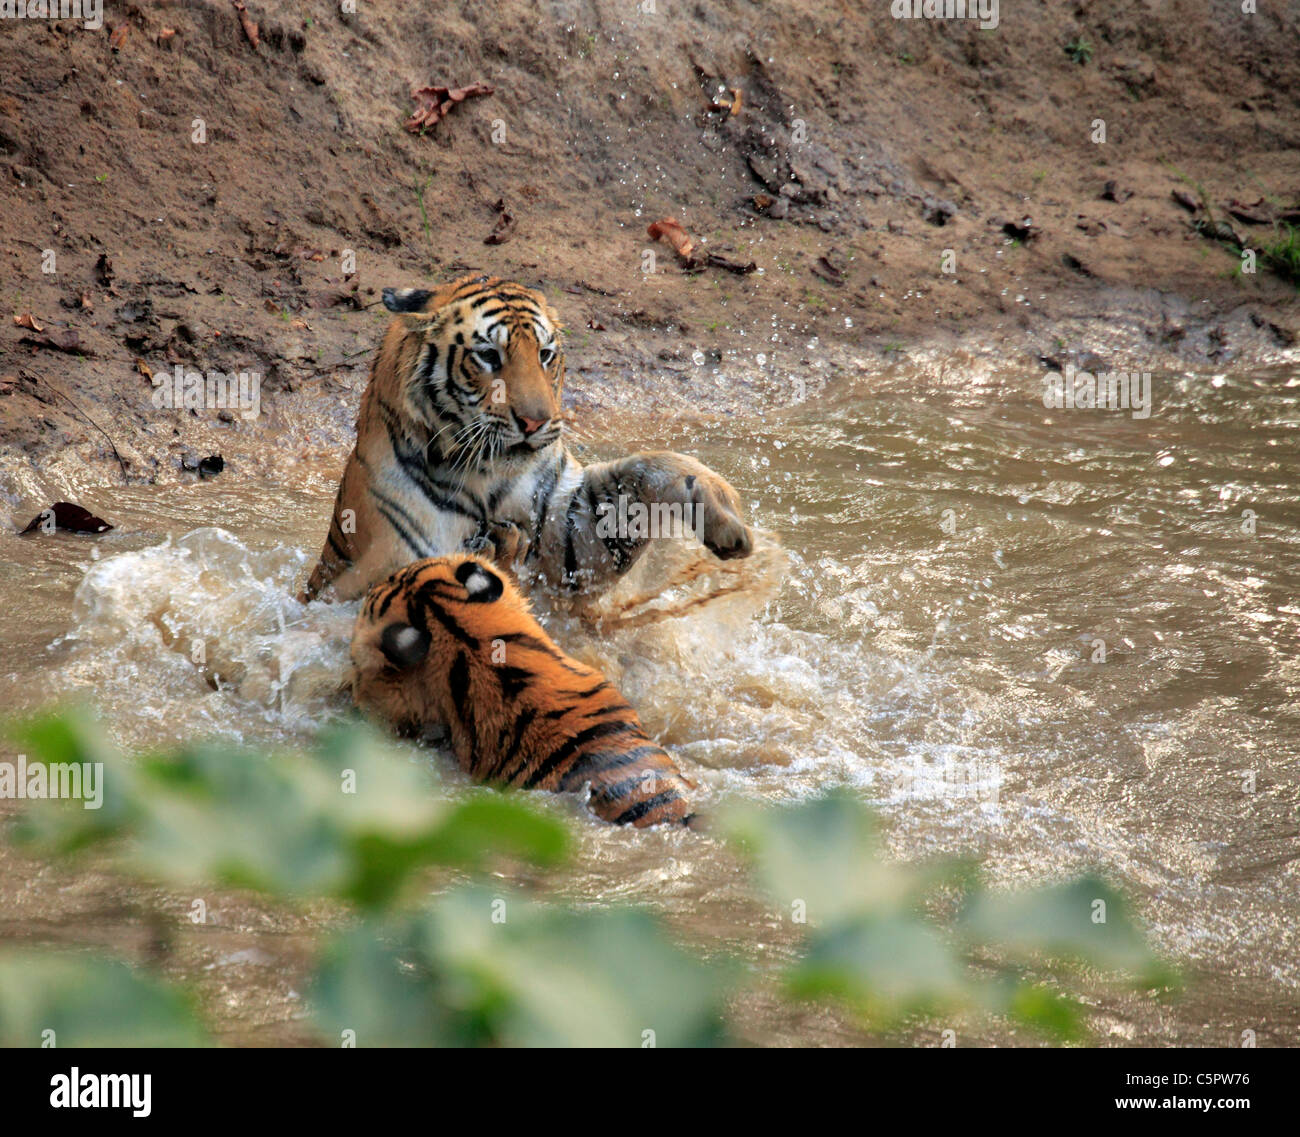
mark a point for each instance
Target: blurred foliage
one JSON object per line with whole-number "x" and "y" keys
{"x": 357, "y": 821}
{"x": 62, "y": 999}
{"x": 540, "y": 976}
{"x": 874, "y": 944}
{"x": 352, "y": 821}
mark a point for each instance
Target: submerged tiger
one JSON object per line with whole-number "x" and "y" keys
{"x": 449, "y": 642}
{"x": 459, "y": 434}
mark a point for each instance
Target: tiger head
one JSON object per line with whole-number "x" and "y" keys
{"x": 478, "y": 363}
{"x": 413, "y": 628}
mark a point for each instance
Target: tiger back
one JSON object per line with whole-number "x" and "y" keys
{"x": 449, "y": 641}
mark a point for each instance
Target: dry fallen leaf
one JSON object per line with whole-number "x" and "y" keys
{"x": 249, "y": 25}
{"x": 670, "y": 230}
{"x": 27, "y": 320}
{"x": 433, "y": 103}
{"x": 731, "y": 105}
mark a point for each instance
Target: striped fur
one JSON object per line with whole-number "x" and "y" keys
{"x": 459, "y": 433}
{"x": 450, "y": 642}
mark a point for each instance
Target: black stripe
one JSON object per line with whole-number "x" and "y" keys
{"x": 411, "y": 459}
{"x": 426, "y": 605}
{"x": 385, "y": 599}
{"x": 620, "y": 708}
{"x": 561, "y": 754}
{"x": 396, "y": 506}
{"x": 528, "y": 640}
{"x": 626, "y": 786}
{"x": 513, "y": 680}
{"x": 336, "y": 545}
{"x": 402, "y": 532}
{"x": 522, "y": 723}
{"x": 603, "y": 761}
{"x": 542, "y": 501}
{"x": 525, "y": 639}
{"x": 570, "y": 528}
{"x": 641, "y": 808}
{"x": 458, "y": 680}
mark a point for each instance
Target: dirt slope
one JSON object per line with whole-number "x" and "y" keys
{"x": 864, "y": 147}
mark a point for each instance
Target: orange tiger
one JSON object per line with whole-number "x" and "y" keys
{"x": 459, "y": 432}
{"x": 450, "y": 642}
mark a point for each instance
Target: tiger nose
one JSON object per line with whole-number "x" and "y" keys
{"x": 532, "y": 425}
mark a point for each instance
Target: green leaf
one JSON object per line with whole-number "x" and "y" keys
{"x": 354, "y": 820}
{"x": 1082, "y": 920}
{"x": 88, "y": 1001}
{"x": 73, "y": 736}
{"x": 363, "y": 988}
{"x": 1048, "y": 1011}
{"x": 824, "y": 853}
{"x": 486, "y": 968}
{"x": 886, "y": 967}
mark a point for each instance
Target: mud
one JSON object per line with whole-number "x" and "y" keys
{"x": 857, "y": 134}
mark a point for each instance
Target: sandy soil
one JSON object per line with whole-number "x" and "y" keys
{"x": 864, "y": 148}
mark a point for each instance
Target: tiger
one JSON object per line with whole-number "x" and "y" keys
{"x": 450, "y": 644}
{"x": 459, "y": 439}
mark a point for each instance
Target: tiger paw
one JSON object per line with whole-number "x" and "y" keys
{"x": 507, "y": 544}
{"x": 718, "y": 520}
{"x": 715, "y": 511}
{"x": 714, "y": 506}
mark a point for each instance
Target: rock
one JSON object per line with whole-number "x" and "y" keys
{"x": 937, "y": 212}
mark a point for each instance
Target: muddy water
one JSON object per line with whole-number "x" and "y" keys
{"x": 1049, "y": 639}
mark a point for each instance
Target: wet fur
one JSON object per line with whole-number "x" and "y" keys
{"x": 450, "y": 643}
{"x": 444, "y": 456}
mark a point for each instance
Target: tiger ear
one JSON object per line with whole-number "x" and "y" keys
{"x": 404, "y": 646}
{"x": 482, "y": 584}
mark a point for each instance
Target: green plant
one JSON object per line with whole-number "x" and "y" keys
{"x": 358, "y": 823}
{"x": 424, "y": 213}
{"x": 1283, "y": 255}
{"x": 1079, "y": 50}
{"x": 873, "y": 943}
